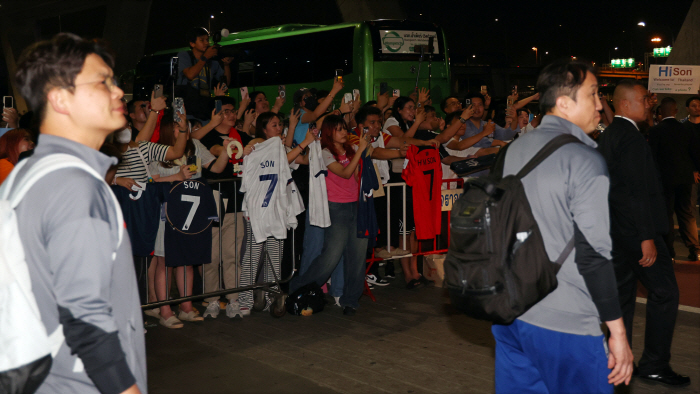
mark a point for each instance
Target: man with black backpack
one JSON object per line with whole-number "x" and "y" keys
{"x": 557, "y": 345}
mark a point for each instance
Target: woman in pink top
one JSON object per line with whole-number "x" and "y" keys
{"x": 340, "y": 239}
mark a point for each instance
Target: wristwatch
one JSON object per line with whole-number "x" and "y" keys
{"x": 461, "y": 119}
{"x": 153, "y": 110}
{"x": 203, "y": 58}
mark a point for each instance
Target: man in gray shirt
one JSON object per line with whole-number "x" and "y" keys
{"x": 81, "y": 271}
{"x": 557, "y": 345}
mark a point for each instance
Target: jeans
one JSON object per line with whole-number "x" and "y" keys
{"x": 340, "y": 240}
{"x": 313, "y": 246}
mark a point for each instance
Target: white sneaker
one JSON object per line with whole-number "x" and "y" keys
{"x": 212, "y": 310}
{"x": 234, "y": 309}
{"x": 374, "y": 280}
{"x": 337, "y": 301}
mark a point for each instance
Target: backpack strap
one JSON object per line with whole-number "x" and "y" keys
{"x": 44, "y": 166}
{"x": 565, "y": 253}
{"x": 554, "y": 144}
{"x": 497, "y": 169}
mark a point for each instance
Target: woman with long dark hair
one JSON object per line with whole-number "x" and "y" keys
{"x": 340, "y": 238}
{"x": 269, "y": 126}
{"x": 176, "y": 171}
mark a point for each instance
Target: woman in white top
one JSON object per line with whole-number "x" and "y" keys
{"x": 269, "y": 125}
{"x": 175, "y": 171}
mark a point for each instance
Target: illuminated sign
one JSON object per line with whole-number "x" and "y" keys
{"x": 623, "y": 63}
{"x": 662, "y": 52}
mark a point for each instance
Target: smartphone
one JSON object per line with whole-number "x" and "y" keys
{"x": 312, "y": 126}
{"x": 174, "y": 61}
{"x": 157, "y": 91}
{"x": 178, "y": 108}
{"x": 468, "y": 102}
{"x": 532, "y": 116}
{"x": 510, "y": 102}
{"x": 8, "y": 102}
{"x": 192, "y": 162}
{"x": 383, "y": 87}
{"x": 397, "y": 93}
{"x": 339, "y": 75}
{"x": 484, "y": 90}
{"x": 515, "y": 89}
{"x": 224, "y": 87}
{"x": 244, "y": 93}
{"x": 347, "y": 98}
{"x": 282, "y": 91}
{"x": 217, "y": 103}
{"x": 355, "y": 94}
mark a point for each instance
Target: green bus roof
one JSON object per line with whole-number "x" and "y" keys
{"x": 270, "y": 32}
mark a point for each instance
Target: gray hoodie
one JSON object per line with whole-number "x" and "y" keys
{"x": 568, "y": 195}
{"x": 88, "y": 299}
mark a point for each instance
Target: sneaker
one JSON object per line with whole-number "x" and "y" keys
{"x": 383, "y": 254}
{"x": 337, "y": 301}
{"x": 234, "y": 309}
{"x": 155, "y": 312}
{"x": 212, "y": 310}
{"x": 389, "y": 275}
{"x": 375, "y": 280}
{"x": 349, "y": 311}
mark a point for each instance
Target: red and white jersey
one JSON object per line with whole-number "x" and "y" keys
{"x": 423, "y": 172}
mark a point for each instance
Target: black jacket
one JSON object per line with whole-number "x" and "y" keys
{"x": 677, "y": 152}
{"x": 637, "y": 207}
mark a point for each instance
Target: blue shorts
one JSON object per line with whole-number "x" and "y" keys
{"x": 531, "y": 359}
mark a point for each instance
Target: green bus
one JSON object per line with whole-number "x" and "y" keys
{"x": 370, "y": 54}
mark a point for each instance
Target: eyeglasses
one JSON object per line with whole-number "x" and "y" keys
{"x": 109, "y": 82}
{"x": 227, "y": 111}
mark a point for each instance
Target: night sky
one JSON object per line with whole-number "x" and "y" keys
{"x": 589, "y": 30}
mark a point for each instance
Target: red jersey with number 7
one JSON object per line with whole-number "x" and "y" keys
{"x": 423, "y": 172}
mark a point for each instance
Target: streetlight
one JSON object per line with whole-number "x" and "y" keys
{"x": 535, "y": 49}
{"x": 642, "y": 24}
{"x": 656, "y": 39}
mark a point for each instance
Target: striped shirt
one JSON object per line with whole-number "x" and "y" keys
{"x": 133, "y": 166}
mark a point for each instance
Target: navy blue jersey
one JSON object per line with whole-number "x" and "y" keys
{"x": 142, "y": 215}
{"x": 189, "y": 213}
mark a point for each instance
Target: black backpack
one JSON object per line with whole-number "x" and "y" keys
{"x": 308, "y": 296}
{"x": 497, "y": 266}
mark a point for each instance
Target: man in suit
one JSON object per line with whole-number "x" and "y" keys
{"x": 677, "y": 154}
{"x": 637, "y": 226}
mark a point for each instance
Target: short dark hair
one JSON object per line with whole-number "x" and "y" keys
{"x": 523, "y": 109}
{"x": 225, "y": 100}
{"x": 429, "y": 108}
{"x": 54, "y": 64}
{"x": 262, "y": 121}
{"x": 668, "y": 105}
{"x": 196, "y": 32}
{"x": 370, "y": 103}
{"x": 472, "y": 96}
{"x": 364, "y": 112}
{"x": 443, "y": 103}
{"x": 561, "y": 78}
{"x": 254, "y": 95}
{"x": 449, "y": 118}
{"x": 688, "y": 101}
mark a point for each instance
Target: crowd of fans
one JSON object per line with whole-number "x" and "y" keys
{"x": 156, "y": 148}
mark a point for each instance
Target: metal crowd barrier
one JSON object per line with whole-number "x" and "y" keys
{"x": 270, "y": 287}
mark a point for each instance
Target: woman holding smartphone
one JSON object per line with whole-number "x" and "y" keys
{"x": 269, "y": 126}
{"x": 340, "y": 239}
{"x": 176, "y": 171}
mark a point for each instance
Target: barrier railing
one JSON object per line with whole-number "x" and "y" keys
{"x": 265, "y": 261}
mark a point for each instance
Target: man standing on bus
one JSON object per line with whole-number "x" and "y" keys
{"x": 197, "y": 72}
